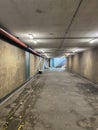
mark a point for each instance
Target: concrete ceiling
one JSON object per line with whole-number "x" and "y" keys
{"x": 58, "y": 26}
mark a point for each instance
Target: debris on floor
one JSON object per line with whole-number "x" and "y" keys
{"x": 53, "y": 101}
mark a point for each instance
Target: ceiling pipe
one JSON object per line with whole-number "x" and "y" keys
{"x": 18, "y": 42}
{"x": 11, "y": 37}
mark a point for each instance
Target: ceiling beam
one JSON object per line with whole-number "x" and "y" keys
{"x": 71, "y": 22}
{"x": 59, "y": 38}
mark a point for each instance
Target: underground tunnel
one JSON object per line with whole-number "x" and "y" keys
{"x": 48, "y": 64}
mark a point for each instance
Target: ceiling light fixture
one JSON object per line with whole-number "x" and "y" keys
{"x": 42, "y": 51}
{"x": 92, "y": 41}
{"x": 75, "y": 51}
{"x": 31, "y": 36}
{"x": 35, "y": 42}
{"x": 67, "y": 54}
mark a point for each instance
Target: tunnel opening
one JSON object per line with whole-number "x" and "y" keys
{"x": 58, "y": 63}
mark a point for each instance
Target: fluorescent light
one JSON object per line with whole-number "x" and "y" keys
{"x": 35, "y": 42}
{"x": 31, "y": 36}
{"x": 92, "y": 41}
{"x": 42, "y": 51}
{"x": 68, "y": 54}
{"x": 75, "y": 51}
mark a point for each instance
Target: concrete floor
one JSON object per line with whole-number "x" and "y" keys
{"x": 53, "y": 101}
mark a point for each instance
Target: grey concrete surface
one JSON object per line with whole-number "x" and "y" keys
{"x": 12, "y": 68}
{"x": 85, "y": 64}
{"x": 53, "y": 101}
{"x": 50, "y": 21}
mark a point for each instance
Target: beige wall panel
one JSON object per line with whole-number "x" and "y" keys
{"x": 85, "y": 64}
{"x": 12, "y": 68}
{"x": 32, "y": 71}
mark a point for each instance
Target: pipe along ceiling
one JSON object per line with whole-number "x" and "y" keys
{"x": 15, "y": 41}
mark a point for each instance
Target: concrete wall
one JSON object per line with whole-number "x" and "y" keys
{"x": 41, "y": 64}
{"x": 85, "y": 64}
{"x": 34, "y": 64}
{"x": 12, "y": 68}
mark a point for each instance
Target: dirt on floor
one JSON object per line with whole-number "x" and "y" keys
{"x": 53, "y": 101}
